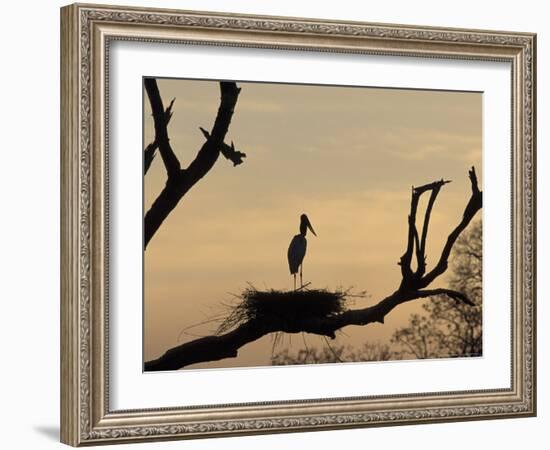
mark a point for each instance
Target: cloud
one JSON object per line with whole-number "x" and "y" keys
{"x": 261, "y": 107}
{"x": 423, "y": 145}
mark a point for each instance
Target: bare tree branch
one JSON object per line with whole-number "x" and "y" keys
{"x": 148, "y": 155}
{"x": 171, "y": 162}
{"x": 180, "y": 181}
{"x": 413, "y": 241}
{"x": 150, "y": 151}
{"x": 473, "y": 206}
{"x": 452, "y": 328}
{"x": 405, "y": 262}
{"x": 228, "y": 151}
{"x": 455, "y": 295}
{"x": 212, "y": 348}
{"x": 422, "y": 249}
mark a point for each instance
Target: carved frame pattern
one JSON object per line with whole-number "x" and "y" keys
{"x": 86, "y": 418}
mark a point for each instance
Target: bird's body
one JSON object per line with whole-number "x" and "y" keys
{"x": 297, "y": 249}
{"x": 296, "y": 252}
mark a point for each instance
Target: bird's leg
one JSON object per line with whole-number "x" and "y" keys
{"x": 301, "y": 280}
{"x": 294, "y": 281}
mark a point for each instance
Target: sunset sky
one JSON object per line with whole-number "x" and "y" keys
{"x": 345, "y": 156}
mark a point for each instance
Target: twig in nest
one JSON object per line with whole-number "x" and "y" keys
{"x": 283, "y": 307}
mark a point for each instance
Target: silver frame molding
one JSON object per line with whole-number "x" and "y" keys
{"x": 86, "y": 31}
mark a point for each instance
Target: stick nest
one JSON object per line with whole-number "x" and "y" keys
{"x": 283, "y": 306}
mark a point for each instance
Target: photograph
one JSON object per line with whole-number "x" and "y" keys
{"x": 294, "y": 224}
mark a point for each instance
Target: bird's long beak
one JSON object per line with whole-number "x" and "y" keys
{"x": 311, "y": 228}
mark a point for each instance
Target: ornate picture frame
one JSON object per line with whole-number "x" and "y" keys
{"x": 87, "y": 31}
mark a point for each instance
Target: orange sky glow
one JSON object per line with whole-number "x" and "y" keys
{"x": 346, "y": 156}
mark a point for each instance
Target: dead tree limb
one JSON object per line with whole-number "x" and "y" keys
{"x": 212, "y": 348}
{"x": 180, "y": 181}
{"x": 150, "y": 151}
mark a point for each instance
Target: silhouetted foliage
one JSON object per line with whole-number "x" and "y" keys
{"x": 450, "y": 329}
{"x": 369, "y": 351}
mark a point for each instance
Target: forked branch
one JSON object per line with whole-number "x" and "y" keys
{"x": 161, "y": 120}
{"x": 413, "y": 242}
{"x": 150, "y": 151}
{"x": 180, "y": 181}
{"x": 474, "y": 204}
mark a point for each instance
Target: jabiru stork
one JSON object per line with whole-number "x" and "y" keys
{"x": 297, "y": 249}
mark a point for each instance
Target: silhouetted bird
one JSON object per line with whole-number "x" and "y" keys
{"x": 297, "y": 249}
